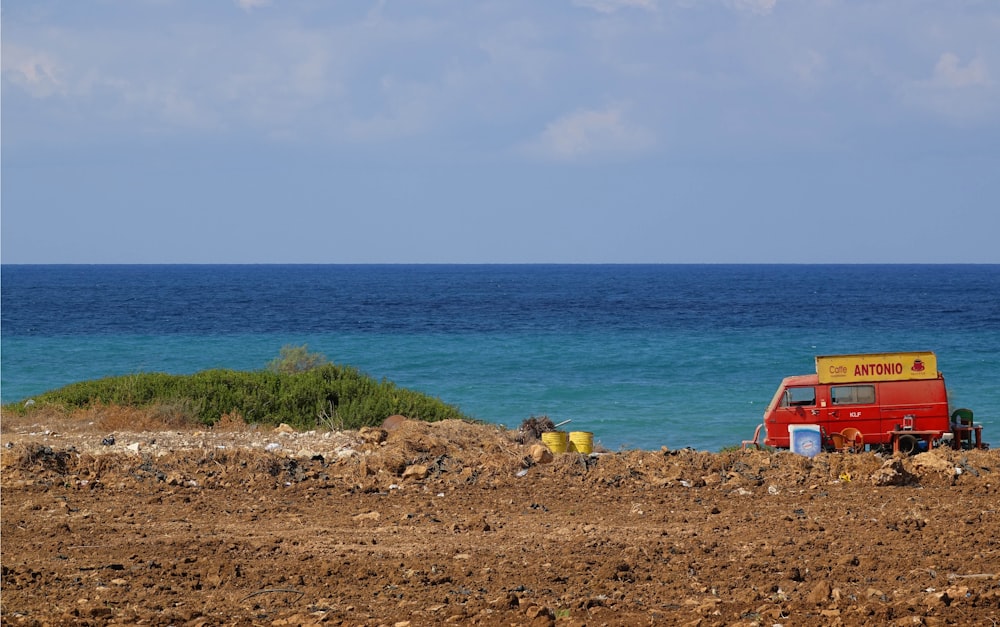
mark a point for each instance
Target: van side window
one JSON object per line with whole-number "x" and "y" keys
{"x": 797, "y": 397}
{"x": 852, "y": 394}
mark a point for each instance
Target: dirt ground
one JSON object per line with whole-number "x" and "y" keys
{"x": 450, "y": 522}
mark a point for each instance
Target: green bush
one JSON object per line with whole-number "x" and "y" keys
{"x": 293, "y": 359}
{"x": 327, "y": 394}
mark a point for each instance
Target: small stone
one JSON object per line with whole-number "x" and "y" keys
{"x": 373, "y": 435}
{"x": 820, "y": 594}
{"x": 100, "y": 612}
{"x": 416, "y": 471}
{"x": 393, "y": 422}
{"x": 535, "y": 611}
{"x": 540, "y": 454}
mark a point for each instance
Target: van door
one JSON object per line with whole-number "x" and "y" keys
{"x": 797, "y": 406}
{"x": 855, "y": 406}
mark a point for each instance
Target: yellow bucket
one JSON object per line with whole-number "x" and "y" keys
{"x": 555, "y": 440}
{"x": 581, "y": 442}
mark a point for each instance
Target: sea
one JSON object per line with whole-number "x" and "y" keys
{"x": 642, "y": 356}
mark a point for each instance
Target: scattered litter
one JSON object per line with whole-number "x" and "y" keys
{"x": 108, "y": 441}
{"x": 272, "y": 447}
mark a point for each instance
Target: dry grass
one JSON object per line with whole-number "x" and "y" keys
{"x": 113, "y": 418}
{"x": 108, "y": 419}
{"x": 231, "y": 423}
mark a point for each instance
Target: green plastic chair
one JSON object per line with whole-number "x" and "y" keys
{"x": 962, "y": 417}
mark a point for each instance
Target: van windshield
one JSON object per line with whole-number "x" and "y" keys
{"x": 798, "y": 397}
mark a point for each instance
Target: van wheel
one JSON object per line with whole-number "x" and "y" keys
{"x": 907, "y": 444}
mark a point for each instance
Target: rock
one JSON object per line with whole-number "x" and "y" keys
{"x": 540, "y": 454}
{"x": 300, "y": 620}
{"x": 373, "y": 435}
{"x": 100, "y": 612}
{"x": 820, "y": 594}
{"x": 283, "y": 429}
{"x": 931, "y": 462}
{"x": 393, "y": 422}
{"x": 957, "y": 594}
{"x": 134, "y": 447}
{"x": 892, "y": 472}
{"x": 416, "y": 471}
{"x": 534, "y": 611}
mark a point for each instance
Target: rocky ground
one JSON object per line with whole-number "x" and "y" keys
{"x": 111, "y": 518}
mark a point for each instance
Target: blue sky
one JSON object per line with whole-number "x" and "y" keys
{"x": 434, "y": 131}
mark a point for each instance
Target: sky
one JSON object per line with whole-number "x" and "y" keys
{"x": 507, "y": 131}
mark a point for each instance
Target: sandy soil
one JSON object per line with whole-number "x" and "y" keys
{"x": 456, "y": 523}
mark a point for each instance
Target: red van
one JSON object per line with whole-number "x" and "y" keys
{"x": 871, "y": 400}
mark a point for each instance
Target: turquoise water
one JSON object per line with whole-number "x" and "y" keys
{"x": 643, "y": 357}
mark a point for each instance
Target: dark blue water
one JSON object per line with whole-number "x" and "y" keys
{"x": 643, "y": 356}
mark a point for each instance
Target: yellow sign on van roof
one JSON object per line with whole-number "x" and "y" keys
{"x": 876, "y": 367}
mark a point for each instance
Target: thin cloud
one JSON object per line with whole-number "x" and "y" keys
{"x": 758, "y": 7}
{"x": 612, "y": 6}
{"x": 35, "y": 72}
{"x": 585, "y": 134}
{"x": 249, "y": 5}
{"x": 961, "y": 93}
{"x": 949, "y": 72}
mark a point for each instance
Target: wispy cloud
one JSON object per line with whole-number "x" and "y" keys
{"x": 586, "y": 134}
{"x": 248, "y": 5}
{"x": 611, "y": 6}
{"x": 34, "y": 71}
{"x": 759, "y": 7}
{"x": 960, "y": 93}
{"x": 949, "y": 72}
